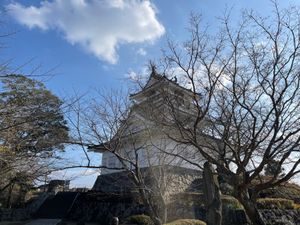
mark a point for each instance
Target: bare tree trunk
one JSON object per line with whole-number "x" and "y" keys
{"x": 164, "y": 213}
{"x": 22, "y": 196}
{"x": 152, "y": 213}
{"x": 155, "y": 218}
{"x": 8, "y": 202}
{"x": 250, "y": 207}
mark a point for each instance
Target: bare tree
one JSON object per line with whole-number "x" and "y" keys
{"x": 130, "y": 145}
{"x": 19, "y": 175}
{"x": 245, "y": 107}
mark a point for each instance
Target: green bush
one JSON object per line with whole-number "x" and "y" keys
{"x": 286, "y": 190}
{"x": 186, "y": 222}
{"x": 275, "y": 203}
{"x": 139, "y": 220}
{"x": 231, "y": 202}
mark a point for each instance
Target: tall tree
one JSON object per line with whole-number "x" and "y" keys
{"x": 32, "y": 128}
{"x": 32, "y": 121}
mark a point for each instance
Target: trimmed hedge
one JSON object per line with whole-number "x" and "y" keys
{"x": 231, "y": 202}
{"x": 276, "y": 203}
{"x": 145, "y": 220}
{"x": 139, "y": 220}
{"x": 262, "y": 203}
{"x": 287, "y": 190}
{"x": 186, "y": 222}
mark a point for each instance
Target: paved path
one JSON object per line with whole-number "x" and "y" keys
{"x": 44, "y": 222}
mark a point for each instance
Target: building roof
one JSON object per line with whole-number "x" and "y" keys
{"x": 157, "y": 79}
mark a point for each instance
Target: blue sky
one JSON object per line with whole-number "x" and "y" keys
{"x": 96, "y": 43}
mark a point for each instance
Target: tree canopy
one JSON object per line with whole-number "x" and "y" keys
{"x": 31, "y": 117}
{"x": 32, "y": 129}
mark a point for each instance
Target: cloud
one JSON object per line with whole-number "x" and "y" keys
{"x": 141, "y": 52}
{"x": 138, "y": 77}
{"x": 98, "y": 26}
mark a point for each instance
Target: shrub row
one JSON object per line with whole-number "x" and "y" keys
{"x": 276, "y": 203}
{"x": 262, "y": 203}
{"x": 145, "y": 220}
{"x": 231, "y": 202}
{"x": 139, "y": 220}
{"x": 186, "y": 222}
{"x": 228, "y": 202}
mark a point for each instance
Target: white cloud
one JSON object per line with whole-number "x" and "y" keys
{"x": 138, "y": 77}
{"x": 98, "y": 26}
{"x": 132, "y": 75}
{"x": 141, "y": 52}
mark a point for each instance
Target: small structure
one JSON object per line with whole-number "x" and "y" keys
{"x": 55, "y": 186}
